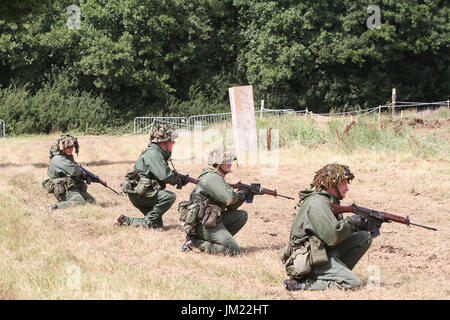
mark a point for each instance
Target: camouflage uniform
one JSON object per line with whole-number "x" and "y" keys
{"x": 213, "y": 190}
{"x": 65, "y": 176}
{"x": 323, "y": 248}
{"x": 146, "y": 184}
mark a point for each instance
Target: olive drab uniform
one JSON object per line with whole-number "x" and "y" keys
{"x": 211, "y": 214}
{"x": 145, "y": 186}
{"x": 322, "y": 248}
{"x": 66, "y": 179}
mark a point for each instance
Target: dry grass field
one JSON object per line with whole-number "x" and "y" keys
{"x": 78, "y": 253}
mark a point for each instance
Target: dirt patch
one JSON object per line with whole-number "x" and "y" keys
{"x": 414, "y": 123}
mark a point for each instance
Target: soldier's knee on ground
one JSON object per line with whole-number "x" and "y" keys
{"x": 168, "y": 197}
{"x": 244, "y": 216}
{"x": 78, "y": 201}
{"x": 354, "y": 283}
{"x": 232, "y": 248}
{"x": 364, "y": 238}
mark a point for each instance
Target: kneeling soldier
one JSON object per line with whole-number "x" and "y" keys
{"x": 65, "y": 175}
{"x": 323, "y": 249}
{"x": 145, "y": 185}
{"x": 212, "y": 218}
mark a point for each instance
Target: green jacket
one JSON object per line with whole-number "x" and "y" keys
{"x": 316, "y": 218}
{"x": 62, "y": 166}
{"x": 212, "y": 185}
{"x": 152, "y": 164}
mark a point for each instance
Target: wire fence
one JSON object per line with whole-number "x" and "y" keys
{"x": 2, "y": 129}
{"x": 399, "y": 105}
{"x": 143, "y": 125}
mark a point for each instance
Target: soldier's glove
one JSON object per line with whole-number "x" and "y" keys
{"x": 359, "y": 222}
{"x": 183, "y": 180}
{"x": 246, "y": 195}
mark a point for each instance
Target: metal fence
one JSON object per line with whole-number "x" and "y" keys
{"x": 2, "y": 129}
{"x": 145, "y": 124}
{"x": 204, "y": 121}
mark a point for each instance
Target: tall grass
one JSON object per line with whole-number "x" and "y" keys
{"x": 367, "y": 134}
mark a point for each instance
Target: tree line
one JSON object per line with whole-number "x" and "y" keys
{"x": 131, "y": 58}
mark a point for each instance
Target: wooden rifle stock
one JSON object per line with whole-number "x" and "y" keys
{"x": 374, "y": 214}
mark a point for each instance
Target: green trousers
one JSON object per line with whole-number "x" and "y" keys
{"x": 342, "y": 258}
{"x": 219, "y": 240}
{"x": 153, "y": 209}
{"x": 74, "y": 197}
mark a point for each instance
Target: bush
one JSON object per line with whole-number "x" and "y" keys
{"x": 55, "y": 108}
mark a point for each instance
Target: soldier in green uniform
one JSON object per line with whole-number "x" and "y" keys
{"x": 66, "y": 177}
{"x": 146, "y": 183}
{"x": 323, "y": 249}
{"x": 212, "y": 218}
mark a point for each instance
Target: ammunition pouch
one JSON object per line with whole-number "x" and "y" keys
{"x": 183, "y": 210}
{"x": 61, "y": 185}
{"x": 187, "y": 214}
{"x": 319, "y": 255}
{"x": 208, "y": 213}
{"x": 47, "y": 184}
{"x": 130, "y": 182}
{"x": 298, "y": 260}
{"x": 141, "y": 186}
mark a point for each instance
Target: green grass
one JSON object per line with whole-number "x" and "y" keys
{"x": 390, "y": 135}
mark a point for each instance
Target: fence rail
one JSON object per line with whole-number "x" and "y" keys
{"x": 143, "y": 125}
{"x": 204, "y": 121}
{"x": 2, "y": 129}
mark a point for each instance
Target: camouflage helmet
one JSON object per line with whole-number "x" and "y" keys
{"x": 330, "y": 175}
{"x": 163, "y": 133}
{"x": 64, "y": 141}
{"x": 218, "y": 156}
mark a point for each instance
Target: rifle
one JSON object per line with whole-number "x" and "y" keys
{"x": 254, "y": 188}
{"x": 90, "y": 177}
{"x": 374, "y": 218}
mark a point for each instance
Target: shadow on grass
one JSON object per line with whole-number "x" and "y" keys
{"x": 262, "y": 248}
{"x": 45, "y": 165}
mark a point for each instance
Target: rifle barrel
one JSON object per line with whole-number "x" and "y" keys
{"x": 280, "y": 195}
{"x": 426, "y": 227}
{"x": 112, "y": 190}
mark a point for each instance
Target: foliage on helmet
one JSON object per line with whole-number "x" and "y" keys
{"x": 218, "y": 156}
{"x": 163, "y": 133}
{"x": 331, "y": 175}
{"x": 63, "y": 142}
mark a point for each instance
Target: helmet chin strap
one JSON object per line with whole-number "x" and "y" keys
{"x": 339, "y": 195}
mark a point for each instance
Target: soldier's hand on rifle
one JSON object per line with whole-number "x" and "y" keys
{"x": 359, "y": 222}
{"x": 183, "y": 180}
{"x": 244, "y": 194}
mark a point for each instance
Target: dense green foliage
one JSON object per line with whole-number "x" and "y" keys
{"x": 179, "y": 57}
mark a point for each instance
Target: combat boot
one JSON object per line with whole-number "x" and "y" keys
{"x": 121, "y": 220}
{"x": 151, "y": 226}
{"x": 293, "y": 285}
{"x": 190, "y": 244}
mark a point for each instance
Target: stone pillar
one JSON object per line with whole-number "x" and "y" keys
{"x": 244, "y": 124}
